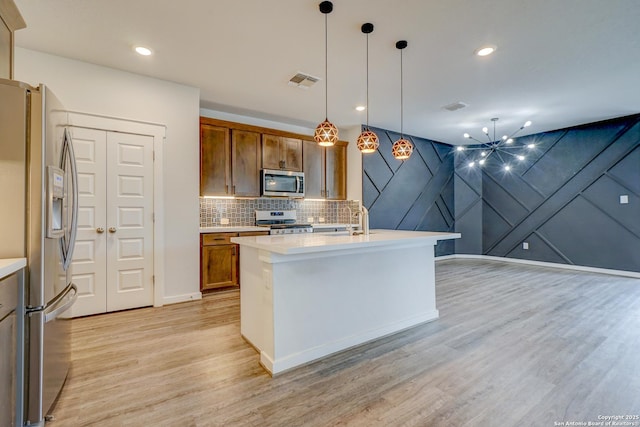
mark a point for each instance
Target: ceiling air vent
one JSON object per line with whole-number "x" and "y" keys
{"x": 303, "y": 81}
{"x": 455, "y": 106}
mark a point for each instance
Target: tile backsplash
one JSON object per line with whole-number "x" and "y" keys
{"x": 242, "y": 211}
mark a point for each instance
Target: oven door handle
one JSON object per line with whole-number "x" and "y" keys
{"x": 297, "y": 185}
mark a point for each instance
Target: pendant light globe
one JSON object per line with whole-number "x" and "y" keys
{"x": 402, "y": 149}
{"x": 326, "y": 133}
{"x": 367, "y": 142}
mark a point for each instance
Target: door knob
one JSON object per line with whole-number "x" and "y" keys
{"x": 99, "y": 230}
{"x": 112, "y": 229}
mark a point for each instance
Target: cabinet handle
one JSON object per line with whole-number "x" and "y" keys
{"x": 99, "y": 230}
{"x": 282, "y": 164}
{"x": 218, "y": 238}
{"x": 234, "y": 189}
{"x": 112, "y": 229}
{"x": 234, "y": 251}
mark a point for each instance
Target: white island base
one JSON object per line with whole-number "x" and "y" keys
{"x": 305, "y": 297}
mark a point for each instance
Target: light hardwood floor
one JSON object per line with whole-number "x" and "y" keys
{"x": 514, "y": 346}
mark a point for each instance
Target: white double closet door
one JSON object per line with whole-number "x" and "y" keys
{"x": 113, "y": 257}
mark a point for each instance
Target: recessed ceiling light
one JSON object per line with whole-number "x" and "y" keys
{"x": 361, "y": 108}
{"x": 144, "y": 51}
{"x": 485, "y": 50}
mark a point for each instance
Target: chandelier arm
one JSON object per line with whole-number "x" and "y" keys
{"x": 499, "y": 156}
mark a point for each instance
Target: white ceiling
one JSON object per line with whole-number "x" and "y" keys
{"x": 559, "y": 62}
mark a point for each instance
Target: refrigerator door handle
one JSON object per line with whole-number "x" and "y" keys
{"x": 59, "y": 305}
{"x": 68, "y": 151}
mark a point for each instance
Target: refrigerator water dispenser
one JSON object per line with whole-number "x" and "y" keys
{"x": 55, "y": 202}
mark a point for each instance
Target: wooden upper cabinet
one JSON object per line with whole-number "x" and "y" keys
{"x": 232, "y": 155}
{"x": 279, "y": 152}
{"x": 325, "y": 171}
{"x": 215, "y": 166}
{"x": 336, "y": 172}
{"x": 313, "y": 162}
{"x": 245, "y": 159}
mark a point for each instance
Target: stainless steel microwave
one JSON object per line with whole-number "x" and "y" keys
{"x": 282, "y": 183}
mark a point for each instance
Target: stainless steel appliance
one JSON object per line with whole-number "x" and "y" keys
{"x": 38, "y": 220}
{"x": 281, "y": 222}
{"x": 282, "y": 183}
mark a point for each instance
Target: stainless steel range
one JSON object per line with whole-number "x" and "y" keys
{"x": 281, "y": 222}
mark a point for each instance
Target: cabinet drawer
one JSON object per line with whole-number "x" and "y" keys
{"x": 217, "y": 238}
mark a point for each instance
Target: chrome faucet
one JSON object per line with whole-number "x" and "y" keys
{"x": 364, "y": 214}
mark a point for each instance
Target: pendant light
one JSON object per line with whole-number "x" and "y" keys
{"x": 367, "y": 141}
{"x": 326, "y": 133}
{"x": 402, "y": 148}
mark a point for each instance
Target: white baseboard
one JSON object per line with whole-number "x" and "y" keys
{"x": 287, "y": 362}
{"x": 174, "y": 299}
{"x": 622, "y": 273}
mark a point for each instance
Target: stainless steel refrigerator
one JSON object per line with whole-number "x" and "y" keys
{"x": 38, "y": 220}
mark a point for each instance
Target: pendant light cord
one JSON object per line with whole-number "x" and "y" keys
{"x": 367, "y": 81}
{"x": 401, "y": 99}
{"x": 326, "y": 68}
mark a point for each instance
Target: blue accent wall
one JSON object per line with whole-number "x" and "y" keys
{"x": 563, "y": 200}
{"x": 415, "y": 194}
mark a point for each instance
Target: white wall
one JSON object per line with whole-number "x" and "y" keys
{"x": 105, "y": 91}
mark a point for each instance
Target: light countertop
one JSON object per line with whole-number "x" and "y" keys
{"x": 11, "y": 265}
{"x": 308, "y": 243}
{"x": 232, "y": 229}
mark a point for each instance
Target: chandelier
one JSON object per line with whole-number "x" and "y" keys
{"x": 504, "y": 150}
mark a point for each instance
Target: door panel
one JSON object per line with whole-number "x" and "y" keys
{"x": 129, "y": 221}
{"x": 89, "y": 266}
{"x": 113, "y": 258}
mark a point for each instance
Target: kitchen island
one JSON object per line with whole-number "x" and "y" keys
{"x": 304, "y": 297}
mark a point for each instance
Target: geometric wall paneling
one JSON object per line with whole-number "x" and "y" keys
{"x": 605, "y": 195}
{"x": 415, "y": 194}
{"x": 627, "y": 170}
{"x": 494, "y": 228}
{"x": 518, "y": 187}
{"x": 582, "y": 176}
{"x": 506, "y": 204}
{"x": 369, "y": 190}
{"x": 588, "y": 236}
{"x": 469, "y": 225}
{"x": 572, "y": 152}
{"x": 468, "y": 209}
{"x": 539, "y": 250}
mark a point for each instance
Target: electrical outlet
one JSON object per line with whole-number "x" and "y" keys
{"x": 320, "y": 219}
{"x": 310, "y": 219}
{"x": 624, "y": 199}
{"x": 224, "y": 221}
{"x": 525, "y": 245}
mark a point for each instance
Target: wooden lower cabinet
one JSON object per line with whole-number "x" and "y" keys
{"x": 219, "y": 259}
